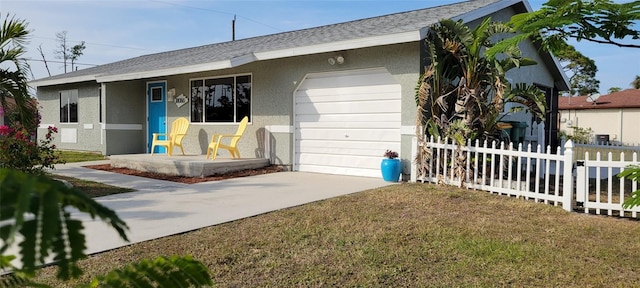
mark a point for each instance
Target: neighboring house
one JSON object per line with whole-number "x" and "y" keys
{"x": 329, "y": 99}
{"x": 614, "y": 117}
{"x": 10, "y": 108}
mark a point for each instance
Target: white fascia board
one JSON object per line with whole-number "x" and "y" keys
{"x": 84, "y": 78}
{"x": 241, "y": 60}
{"x": 166, "y": 72}
{"x": 341, "y": 45}
{"x": 225, "y": 64}
{"x": 557, "y": 65}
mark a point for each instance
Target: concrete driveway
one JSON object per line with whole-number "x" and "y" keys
{"x": 162, "y": 208}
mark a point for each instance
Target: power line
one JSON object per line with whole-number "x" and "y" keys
{"x": 221, "y": 12}
{"x": 60, "y": 62}
{"x": 101, "y": 44}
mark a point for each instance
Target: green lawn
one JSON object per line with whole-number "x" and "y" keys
{"x": 75, "y": 156}
{"x": 409, "y": 235}
{"x": 93, "y": 189}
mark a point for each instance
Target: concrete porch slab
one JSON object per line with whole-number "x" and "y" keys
{"x": 189, "y": 165}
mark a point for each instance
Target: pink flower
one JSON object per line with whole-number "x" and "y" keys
{"x": 5, "y": 130}
{"x": 53, "y": 129}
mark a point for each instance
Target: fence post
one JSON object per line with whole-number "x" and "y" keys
{"x": 581, "y": 183}
{"x": 567, "y": 179}
{"x": 414, "y": 154}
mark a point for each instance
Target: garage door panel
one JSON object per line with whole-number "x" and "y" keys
{"x": 368, "y": 152}
{"x": 377, "y": 106}
{"x": 344, "y": 94}
{"x": 349, "y": 134}
{"x": 345, "y": 121}
{"x": 350, "y": 125}
{"x": 345, "y": 144}
{"x": 349, "y": 79}
{"x": 353, "y": 171}
{"x": 340, "y": 160}
{"x": 337, "y": 118}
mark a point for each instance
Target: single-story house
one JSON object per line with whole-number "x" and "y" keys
{"x": 329, "y": 99}
{"x": 613, "y": 117}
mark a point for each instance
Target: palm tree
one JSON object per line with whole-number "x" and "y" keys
{"x": 636, "y": 82}
{"x": 462, "y": 93}
{"x": 13, "y": 72}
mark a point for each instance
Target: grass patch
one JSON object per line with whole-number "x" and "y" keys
{"x": 409, "y": 235}
{"x": 93, "y": 189}
{"x": 76, "y": 156}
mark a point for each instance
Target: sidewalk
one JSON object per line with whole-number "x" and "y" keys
{"x": 161, "y": 208}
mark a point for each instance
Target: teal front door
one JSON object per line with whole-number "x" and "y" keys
{"x": 157, "y": 112}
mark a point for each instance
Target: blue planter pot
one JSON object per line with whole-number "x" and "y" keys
{"x": 391, "y": 169}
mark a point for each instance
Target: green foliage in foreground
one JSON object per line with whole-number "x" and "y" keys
{"x": 631, "y": 172}
{"x": 36, "y": 207}
{"x": 169, "y": 271}
{"x": 34, "y": 215}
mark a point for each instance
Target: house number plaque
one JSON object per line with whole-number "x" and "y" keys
{"x": 181, "y": 100}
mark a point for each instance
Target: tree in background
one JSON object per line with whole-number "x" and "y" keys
{"x": 614, "y": 90}
{"x": 582, "y": 70}
{"x": 66, "y": 53}
{"x": 636, "y": 82}
{"x": 75, "y": 52}
{"x": 599, "y": 21}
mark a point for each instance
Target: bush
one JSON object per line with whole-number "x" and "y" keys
{"x": 579, "y": 135}
{"x": 18, "y": 151}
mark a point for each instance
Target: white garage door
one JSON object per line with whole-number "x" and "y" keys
{"x": 345, "y": 121}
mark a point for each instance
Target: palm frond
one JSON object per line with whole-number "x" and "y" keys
{"x": 35, "y": 207}
{"x": 161, "y": 272}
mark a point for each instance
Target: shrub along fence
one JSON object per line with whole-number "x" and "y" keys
{"x": 527, "y": 172}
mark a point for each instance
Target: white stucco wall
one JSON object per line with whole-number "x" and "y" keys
{"x": 620, "y": 124}
{"x": 87, "y": 131}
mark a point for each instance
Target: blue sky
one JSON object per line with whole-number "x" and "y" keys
{"x": 120, "y": 29}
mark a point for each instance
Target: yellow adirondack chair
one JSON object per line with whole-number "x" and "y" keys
{"x": 216, "y": 141}
{"x": 179, "y": 129}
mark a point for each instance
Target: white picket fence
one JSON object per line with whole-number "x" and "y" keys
{"x": 556, "y": 179}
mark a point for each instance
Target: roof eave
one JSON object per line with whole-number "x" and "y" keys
{"x": 210, "y": 66}
{"x": 77, "y": 79}
{"x": 389, "y": 39}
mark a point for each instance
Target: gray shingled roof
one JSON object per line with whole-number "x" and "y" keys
{"x": 353, "y": 30}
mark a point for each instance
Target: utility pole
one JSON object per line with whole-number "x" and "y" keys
{"x": 233, "y": 28}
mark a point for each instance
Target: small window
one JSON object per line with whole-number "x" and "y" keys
{"x": 156, "y": 94}
{"x": 221, "y": 100}
{"x": 69, "y": 106}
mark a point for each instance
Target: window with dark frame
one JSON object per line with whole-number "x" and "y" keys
{"x": 221, "y": 100}
{"x": 69, "y": 106}
{"x": 100, "y": 103}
